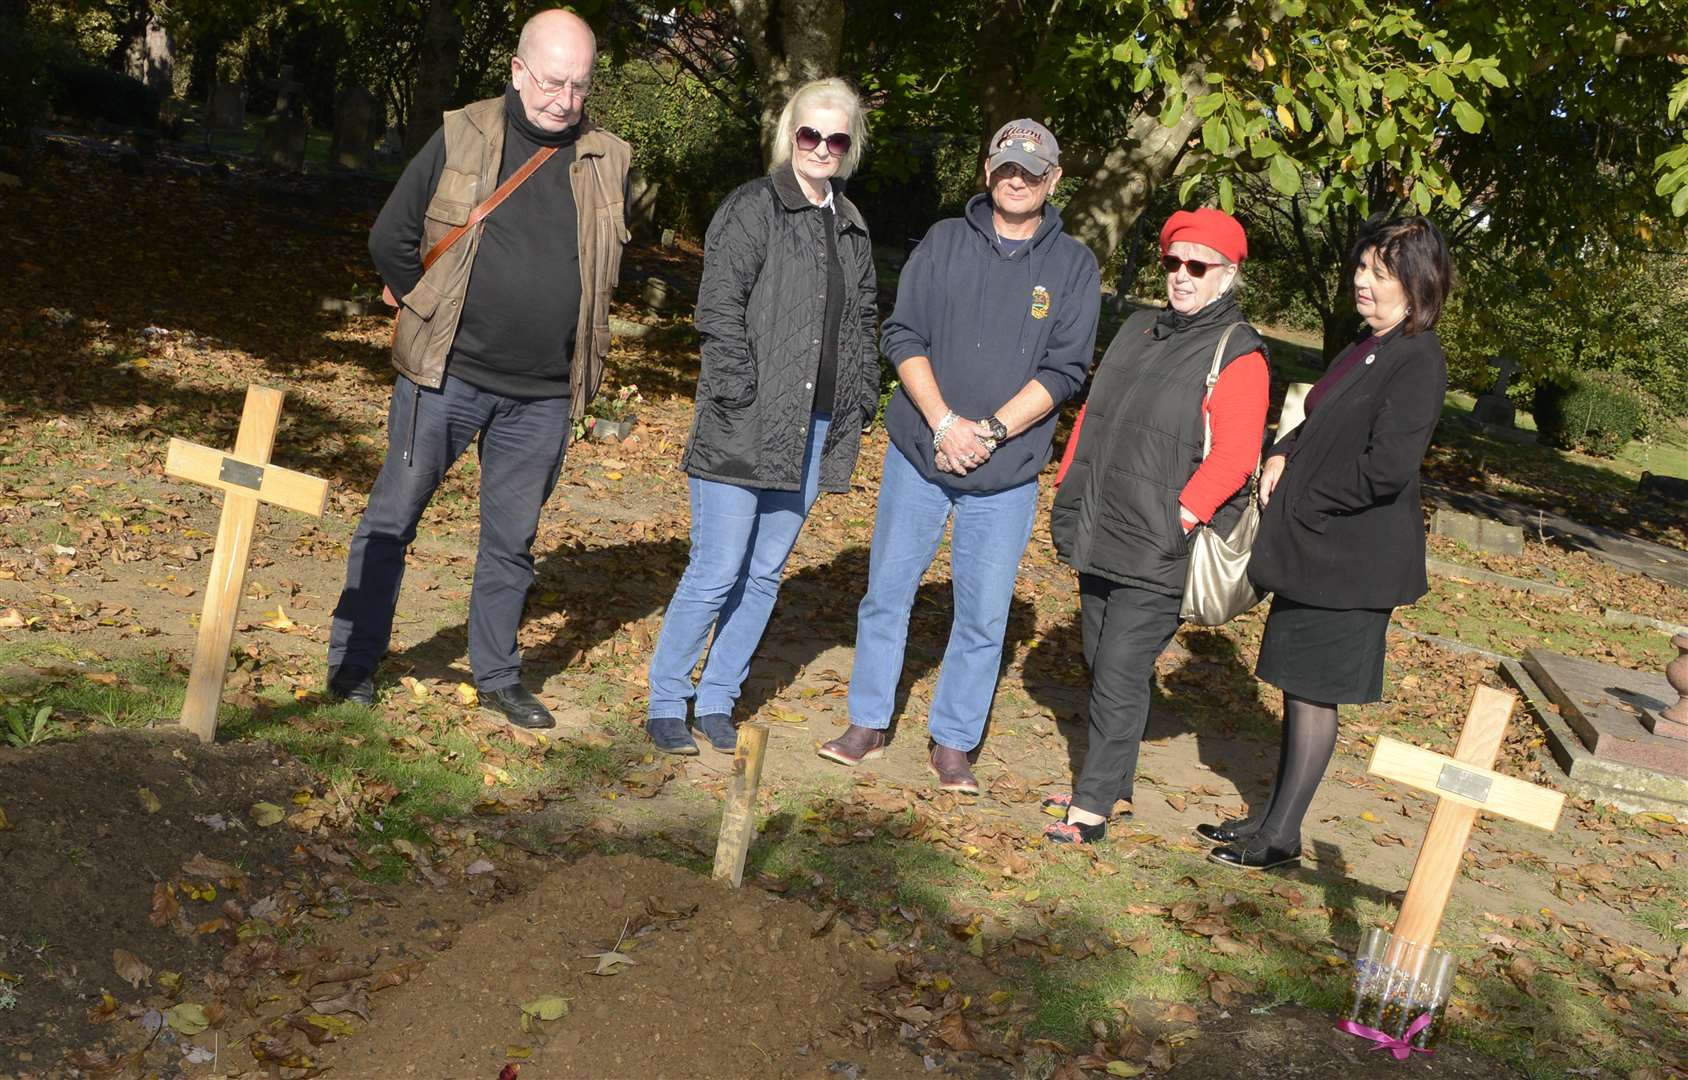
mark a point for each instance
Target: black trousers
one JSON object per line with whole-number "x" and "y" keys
{"x": 1125, "y": 628}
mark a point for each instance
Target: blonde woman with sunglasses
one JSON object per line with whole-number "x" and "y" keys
{"x": 788, "y": 315}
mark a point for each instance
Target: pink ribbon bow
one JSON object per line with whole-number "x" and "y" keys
{"x": 1402, "y": 1048}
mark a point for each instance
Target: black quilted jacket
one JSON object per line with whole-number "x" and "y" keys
{"x": 760, "y": 311}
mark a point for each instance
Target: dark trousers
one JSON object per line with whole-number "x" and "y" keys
{"x": 1125, "y": 628}
{"x": 521, "y": 451}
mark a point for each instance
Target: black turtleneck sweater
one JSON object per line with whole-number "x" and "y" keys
{"x": 516, "y": 336}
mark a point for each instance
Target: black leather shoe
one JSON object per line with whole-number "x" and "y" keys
{"x": 353, "y": 684}
{"x": 1254, "y": 857}
{"x": 1226, "y": 832}
{"x": 516, "y": 705}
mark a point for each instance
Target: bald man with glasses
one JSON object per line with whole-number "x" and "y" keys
{"x": 503, "y": 327}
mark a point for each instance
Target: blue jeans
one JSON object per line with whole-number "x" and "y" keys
{"x": 741, "y": 537}
{"x": 521, "y": 451}
{"x": 991, "y": 530}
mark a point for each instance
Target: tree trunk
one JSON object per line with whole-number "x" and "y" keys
{"x": 1110, "y": 200}
{"x": 436, "y": 72}
{"x": 1338, "y": 331}
{"x": 791, "y": 42}
{"x": 1004, "y": 46}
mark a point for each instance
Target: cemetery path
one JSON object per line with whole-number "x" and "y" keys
{"x": 390, "y": 953}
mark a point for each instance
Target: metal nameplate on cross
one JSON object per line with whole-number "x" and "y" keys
{"x": 1466, "y": 785}
{"x": 247, "y": 480}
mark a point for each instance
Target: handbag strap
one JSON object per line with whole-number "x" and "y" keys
{"x": 1212, "y": 380}
{"x": 479, "y": 213}
{"x": 1207, "y": 422}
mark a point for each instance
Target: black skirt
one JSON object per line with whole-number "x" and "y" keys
{"x": 1330, "y": 656}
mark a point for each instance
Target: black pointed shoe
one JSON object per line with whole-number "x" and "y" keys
{"x": 1254, "y": 856}
{"x": 517, "y": 705}
{"x": 1226, "y": 832}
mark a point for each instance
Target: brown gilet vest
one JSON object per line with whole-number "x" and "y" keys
{"x": 474, "y": 146}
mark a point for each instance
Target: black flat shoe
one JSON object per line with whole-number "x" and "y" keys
{"x": 1238, "y": 857}
{"x": 353, "y": 684}
{"x": 517, "y": 705}
{"x": 1226, "y": 832}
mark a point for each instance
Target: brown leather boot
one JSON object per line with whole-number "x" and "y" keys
{"x": 856, "y": 745}
{"x": 952, "y": 770}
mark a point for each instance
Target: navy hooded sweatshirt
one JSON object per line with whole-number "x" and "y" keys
{"x": 992, "y": 317}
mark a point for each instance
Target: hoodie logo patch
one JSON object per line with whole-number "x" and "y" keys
{"x": 1040, "y": 302}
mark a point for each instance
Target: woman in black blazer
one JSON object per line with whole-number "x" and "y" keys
{"x": 1341, "y": 540}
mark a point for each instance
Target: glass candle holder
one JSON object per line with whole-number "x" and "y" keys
{"x": 1431, "y": 991}
{"x": 1365, "y": 992}
{"x": 1404, "y": 961}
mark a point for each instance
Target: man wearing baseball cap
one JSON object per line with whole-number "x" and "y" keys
{"x": 995, "y": 327}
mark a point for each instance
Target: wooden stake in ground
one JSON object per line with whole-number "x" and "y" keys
{"x": 247, "y": 478}
{"x": 1465, "y": 784}
{"x": 738, "y": 820}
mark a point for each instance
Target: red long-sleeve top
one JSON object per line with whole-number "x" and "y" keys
{"x": 1237, "y": 411}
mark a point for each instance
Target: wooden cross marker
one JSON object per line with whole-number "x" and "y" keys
{"x": 738, "y": 819}
{"x": 247, "y": 478}
{"x": 1466, "y": 784}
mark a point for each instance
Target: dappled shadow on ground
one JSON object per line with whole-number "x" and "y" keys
{"x": 815, "y": 613}
{"x": 1541, "y": 477}
{"x": 1209, "y": 694}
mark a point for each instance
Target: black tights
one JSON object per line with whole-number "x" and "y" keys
{"x": 1308, "y": 741}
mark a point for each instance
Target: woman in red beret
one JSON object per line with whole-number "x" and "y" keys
{"x": 1341, "y": 539}
{"x": 1133, "y": 484}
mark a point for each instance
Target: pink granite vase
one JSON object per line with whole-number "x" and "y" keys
{"x": 1676, "y": 673}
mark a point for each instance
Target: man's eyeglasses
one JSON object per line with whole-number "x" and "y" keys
{"x": 1010, "y": 170}
{"x": 837, "y": 144}
{"x": 548, "y": 89}
{"x": 1197, "y": 268}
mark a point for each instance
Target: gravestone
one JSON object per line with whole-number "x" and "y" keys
{"x": 225, "y": 107}
{"x": 1493, "y": 406}
{"x": 392, "y": 143}
{"x": 1478, "y": 533}
{"x": 1599, "y": 720}
{"x": 152, "y": 58}
{"x": 284, "y": 142}
{"x": 354, "y": 124}
{"x": 286, "y": 90}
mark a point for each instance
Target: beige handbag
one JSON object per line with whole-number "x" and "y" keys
{"x": 1216, "y": 587}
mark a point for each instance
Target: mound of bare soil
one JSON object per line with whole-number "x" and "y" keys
{"x": 707, "y": 982}
{"x": 95, "y": 832}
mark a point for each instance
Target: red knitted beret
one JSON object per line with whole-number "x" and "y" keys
{"x": 1214, "y": 228}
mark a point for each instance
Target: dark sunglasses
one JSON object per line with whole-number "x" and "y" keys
{"x": 837, "y": 144}
{"x": 1197, "y": 268}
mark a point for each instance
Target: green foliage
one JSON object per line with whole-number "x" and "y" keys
{"x": 27, "y": 724}
{"x": 685, "y": 140}
{"x": 1596, "y": 412}
{"x": 1672, "y": 165}
{"x": 23, "y": 79}
{"x": 1290, "y": 89}
{"x": 1616, "y": 312}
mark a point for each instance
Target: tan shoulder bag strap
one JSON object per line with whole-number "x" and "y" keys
{"x": 479, "y": 213}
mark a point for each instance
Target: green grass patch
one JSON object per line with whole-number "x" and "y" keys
{"x": 418, "y": 767}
